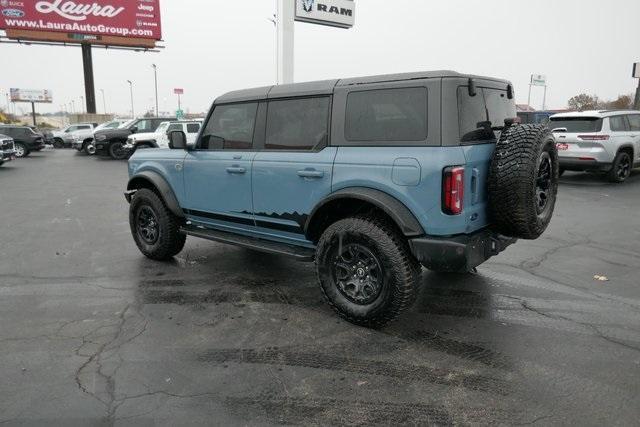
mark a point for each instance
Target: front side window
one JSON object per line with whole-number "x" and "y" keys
{"x": 297, "y": 124}
{"x": 387, "y": 115}
{"x": 144, "y": 126}
{"x": 193, "y": 127}
{"x": 84, "y": 127}
{"x": 618, "y": 123}
{"x": 230, "y": 127}
{"x": 172, "y": 127}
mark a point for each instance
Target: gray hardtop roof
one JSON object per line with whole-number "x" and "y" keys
{"x": 326, "y": 87}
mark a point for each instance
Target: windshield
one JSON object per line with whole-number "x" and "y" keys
{"x": 576, "y": 124}
{"x": 127, "y": 124}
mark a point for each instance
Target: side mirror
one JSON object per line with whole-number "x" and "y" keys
{"x": 177, "y": 140}
{"x": 134, "y": 129}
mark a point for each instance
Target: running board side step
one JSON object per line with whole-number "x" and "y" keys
{"x": 297, "y": 252}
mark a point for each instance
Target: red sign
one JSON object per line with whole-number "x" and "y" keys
{"x": 178, "y": 91}
{"x": 138, "y": 19}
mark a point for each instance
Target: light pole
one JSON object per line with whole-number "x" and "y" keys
{"x": 81, "y": 104}
{"x": 133, "y": 114}
{"x": 104, "y": 103}
{"x": 155, "y": 77}
{"x": 73, "y": 106}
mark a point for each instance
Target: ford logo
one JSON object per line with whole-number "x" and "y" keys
{"x": 13, "y": 13}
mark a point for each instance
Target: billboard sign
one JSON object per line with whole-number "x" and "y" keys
{"x": 538, "y": 80}
{"x": 178, "y": 91}
{"x": 334, "y": 13}
{"x": 131, "y": 19}
{"x": 30, "y": 95}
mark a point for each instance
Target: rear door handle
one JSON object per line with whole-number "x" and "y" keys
{"x": 236, "y": 170}
{"x": 310, "y": 173}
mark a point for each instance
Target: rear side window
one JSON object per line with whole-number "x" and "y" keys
{"x": 297, "y": 124}
{"x": 576, "y": 124}
{"x": 230, "y": 127}
{"x": 634, "y": 122}
{"x": 618, "y": 123}
{"x": 478, "y": 114}
{"x": 387, "y": 115}
{"x": 193, "y": 127}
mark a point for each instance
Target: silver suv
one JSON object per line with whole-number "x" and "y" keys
{"x": 601, "y": 141}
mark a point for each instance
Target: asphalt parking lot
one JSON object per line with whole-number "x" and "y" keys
{"x": 92, "y": 332}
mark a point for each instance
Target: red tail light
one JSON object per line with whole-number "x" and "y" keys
{"x": 594, "y": 137}
{"x": 453, "y": 190}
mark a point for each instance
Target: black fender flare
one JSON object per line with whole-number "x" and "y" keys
{"x": 397, "y": 211}
{"x": 163, "y": 187}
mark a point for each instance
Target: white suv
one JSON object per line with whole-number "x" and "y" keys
{"x": 603, "y": 141}
{"x": 160, "y": 138}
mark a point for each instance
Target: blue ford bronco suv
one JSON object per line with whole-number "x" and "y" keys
{"x": 369, "y": 177}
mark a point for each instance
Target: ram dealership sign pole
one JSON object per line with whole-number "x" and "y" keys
{"x": 333, "y": 13}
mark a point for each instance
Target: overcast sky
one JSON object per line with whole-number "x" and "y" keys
{"x": 213, "y": 46}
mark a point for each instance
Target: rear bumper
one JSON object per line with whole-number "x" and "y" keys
{"x": 575, "y": 164}
{"x": 458, "y": 253}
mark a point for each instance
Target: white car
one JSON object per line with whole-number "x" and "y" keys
{"x": 72, "y": 134}
{"x": 601, "y": 141}
{"x": 160, "y": 138}
{"x": 86, "y": 144}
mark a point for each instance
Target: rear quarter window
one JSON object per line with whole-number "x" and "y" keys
{"x": 393, "y": 115}
{"x": 477, "y": 114}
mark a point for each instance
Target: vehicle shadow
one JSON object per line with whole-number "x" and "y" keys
{"x": 595, "y": 179}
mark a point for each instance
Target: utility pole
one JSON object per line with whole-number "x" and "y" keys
{"x": 133, "y": 114}
{"x": 636, "y": 104}
{"x": 33, "y": 113}
{"x": 155, "y": 76}
{"x": 104, "y": 102}
{"x": 89, "y": 90}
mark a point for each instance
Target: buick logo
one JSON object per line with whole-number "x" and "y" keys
{"x": 13, "y": 13}
{"x": 307, "y": 5}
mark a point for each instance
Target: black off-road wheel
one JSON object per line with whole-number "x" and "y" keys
{"x": 58, "y": 143}
{"x": 621, "y": 169}
{"x": 117, "y": 151}
{"x": 155, "y": 229}
{"x": 366, "y": 271}
{"x": 523, "y": 181}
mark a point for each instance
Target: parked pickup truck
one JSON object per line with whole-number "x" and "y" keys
{"x": 369, "y": 177}
{"x": 66, "y": 137}
{"x": 7, "y": 152}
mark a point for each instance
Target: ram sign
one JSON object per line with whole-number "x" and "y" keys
{"x": 107, "y": 22}
{"x": 30, "y": 95}
{"x": 335, "y": 13}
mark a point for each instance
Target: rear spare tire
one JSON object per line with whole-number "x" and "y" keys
{"x": 523, "y": 181}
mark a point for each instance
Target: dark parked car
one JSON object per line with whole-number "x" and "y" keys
{"x": 111, "y": 142}
{"x": 25, "y": 139}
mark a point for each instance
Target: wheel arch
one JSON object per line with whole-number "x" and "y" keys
{"x": 353, "y": 200}
{"x": 154, "y": 181}
{"x": 628, "y": 148}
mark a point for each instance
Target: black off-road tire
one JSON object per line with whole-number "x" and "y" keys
{"x": 400, "y": 272}
{"x": 58, "y": 143}
{"x": 169, "y": 240}
{"x": 621, "y": 168}
{"x": 116, "y": 150}
{"x": 519, "y": 206}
